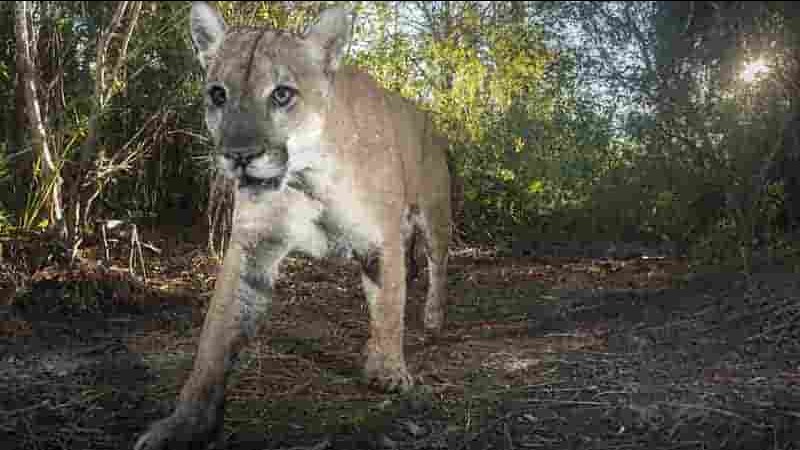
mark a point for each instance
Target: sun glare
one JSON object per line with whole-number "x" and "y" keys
{"x": 754, "y": 70}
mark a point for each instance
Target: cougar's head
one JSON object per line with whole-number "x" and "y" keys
{"x": 267, "y": 92}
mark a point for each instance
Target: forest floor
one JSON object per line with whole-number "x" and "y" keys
{"x": 540, "y": 352}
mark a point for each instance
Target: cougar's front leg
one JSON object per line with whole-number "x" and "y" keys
{"x": 242, "y": 296}
{"x": 384, "y": 280}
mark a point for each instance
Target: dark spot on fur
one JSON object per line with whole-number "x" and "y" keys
{"x": 413, "y": 240}
{"x": 326, "y": 225}
{"x": 299, "y": 181}
{"x": 259, "y": 281}
{"x": 371, "y": 265}
{"x": 338, "y": 245}
{"x": 203, "y": 39}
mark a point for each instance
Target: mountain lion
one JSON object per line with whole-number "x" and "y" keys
{"x": 326, "y": 162}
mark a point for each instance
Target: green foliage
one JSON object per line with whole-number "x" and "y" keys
{"x": 5, "y": 181}
{"x": 567, "y": 120}
{"x": 525, "y": 142}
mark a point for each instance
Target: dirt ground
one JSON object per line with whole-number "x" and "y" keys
{"x": 540, "y": 352}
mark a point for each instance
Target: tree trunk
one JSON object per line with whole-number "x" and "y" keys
{"x": 22, "y": 163}
{"x": 49, "y": 188}
{"x": 20, "y": 119}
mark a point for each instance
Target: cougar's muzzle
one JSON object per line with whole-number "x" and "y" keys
{"x": 248, "y": 154}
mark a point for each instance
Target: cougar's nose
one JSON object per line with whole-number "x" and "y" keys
{"x": 242, "y": 156}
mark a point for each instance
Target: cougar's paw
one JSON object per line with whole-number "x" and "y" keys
{"x": 387, "y": 374}
{"x": 197, "y": 429}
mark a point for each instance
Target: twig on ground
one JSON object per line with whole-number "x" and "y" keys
{"x": 570, "y": 403}
{"x": 722, "y": 412}
{"x": 321, "y": 445}
{"x": 491, "y": 426}
{"x": 15, "y": 412}
{"x": 47, "y": 403}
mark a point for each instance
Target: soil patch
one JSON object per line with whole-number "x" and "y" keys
{"x": 539, "y": 352}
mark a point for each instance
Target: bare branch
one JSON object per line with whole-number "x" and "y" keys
{"x": 126, "y": 38}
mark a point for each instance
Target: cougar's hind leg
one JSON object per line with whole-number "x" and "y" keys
{"x": 435, "y": 224}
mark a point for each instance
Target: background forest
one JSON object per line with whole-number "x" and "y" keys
{"x": 624, "y": 271}
{"x": 670, "y": 122}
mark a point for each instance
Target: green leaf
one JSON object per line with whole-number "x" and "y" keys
{"x": 536, "y": 187}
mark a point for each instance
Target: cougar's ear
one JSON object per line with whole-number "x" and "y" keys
{"x": 208, "y": 30}
{"x": 331, "y": 34}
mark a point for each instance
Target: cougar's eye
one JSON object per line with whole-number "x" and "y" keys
{"x": 217, "y": 95}
{"x": 282, "y": 96}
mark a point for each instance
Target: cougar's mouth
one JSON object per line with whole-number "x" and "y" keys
{"x": 270, "y": 184}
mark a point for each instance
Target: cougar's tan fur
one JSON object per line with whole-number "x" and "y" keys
{"x": 343, "y": 168}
